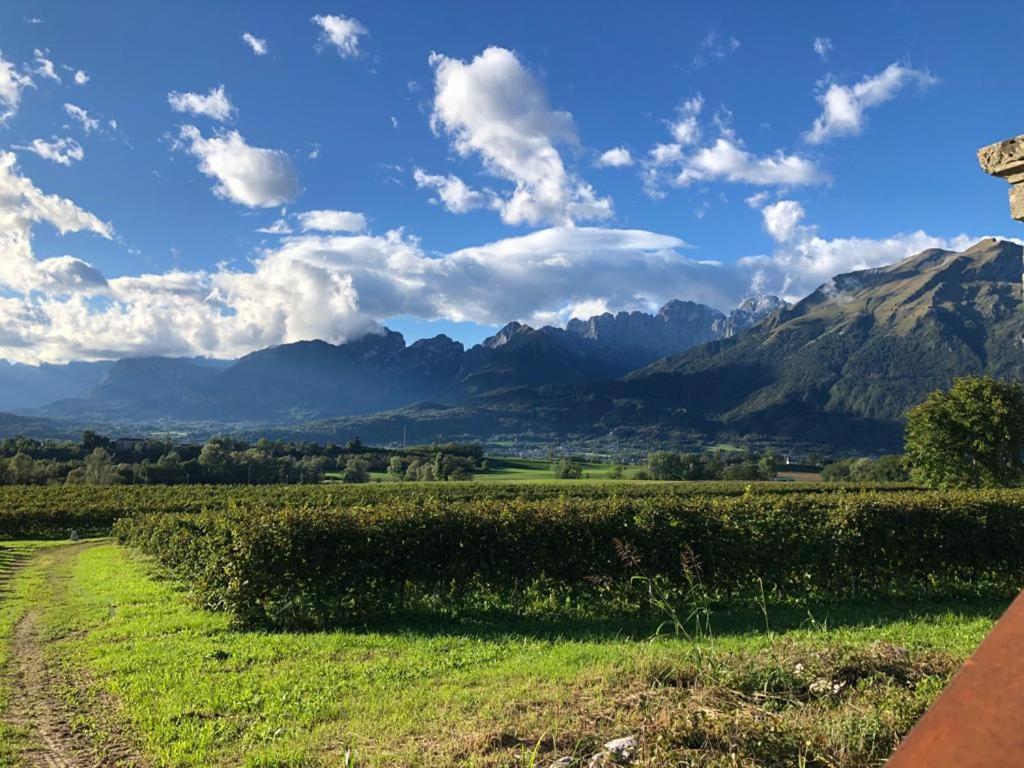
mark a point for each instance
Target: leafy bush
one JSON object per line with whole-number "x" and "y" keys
{"x": 312, "y": 566}
{"x": 40, "y": 511}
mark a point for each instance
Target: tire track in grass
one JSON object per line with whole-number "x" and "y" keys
{"x": 35, "y": 703}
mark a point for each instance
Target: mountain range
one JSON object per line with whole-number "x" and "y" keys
{"x": 306, "y": 380}
{"x": 838, "y": 369}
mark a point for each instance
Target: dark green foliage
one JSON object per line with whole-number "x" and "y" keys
{"x": 54, "y": 510}
{"x": 566, "y": 468}
{"x": 312, "y": 566}
{"x": 356, "y": 470}
{"x": 884, "y": 469}
{"x": 969, "y": 437}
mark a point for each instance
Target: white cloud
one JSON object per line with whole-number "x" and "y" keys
{"x": 495, "y": 108}
{"x": 682, "y": 162}
{"x": 215, "y": 104}
{"x": 341, "y": 286}
{"x": 452, "y": 192}
{"x": 332, "y": 221}
{"x": 727, "y": 160}
{"x": 252, "y": 176}
{"x": 781, "y": 219}
{"x": 665, "y": 154}
{"x": 81, "y": 78}
{"x": 64, "y": 151}
{"x": 843, "y": 106}
{"x": 22, "y": 206}
{"x": 804, "y": 260}
{"x": 12, "y": 83}
{"x": 335, "y": 287}
{"x": 685, "y": 129}
{"x": 616, "y": 157}
{"x": 89, "y": 123}
{"x": 258, "y": 44}
{"x": 341, "y": 32}
{"x": 279, "y": 227}
{"x": 45, "y": 66}
{"x": 822, "y": 47}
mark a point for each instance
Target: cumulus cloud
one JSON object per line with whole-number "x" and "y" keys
{"x": 727, "y": 160}
{"x": 87, "y": 121}
{"x": 782, "y": 219}
{"x": 803, "y": 260}
{"x": 682, "y": 161}
{"x": 843, "y": 106}
{"x": 452, "y": 192}
{"x": 339, "y": 287}
{"x": 63, "y": 151}
{"x": 332, "y": 221}
{"x": 341, "y": 32}
{"x": 685, "y": 129}
{"x": 495, "y": 108}
{"x": 12, "y": 83}
{"x": 321, "y": 285}
{"x": 822, "y": 47}
{"x": 81, "y": 78}
{"x": 252, "y": 176}
{"x": 616, "y": 157}
{"x": 23, "y": 206}
{"x": 340, "y": 284}
{"x": 44, "y": 66}
{"x": 215, "y": 104}
{"x": 258, "y": 44}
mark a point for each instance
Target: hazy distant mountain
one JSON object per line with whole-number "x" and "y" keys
{"x": 34, "y": 426}
{"x": 315, "y": 379}
{"x": 677, "y": 326}
{"x": 31, "y": 386}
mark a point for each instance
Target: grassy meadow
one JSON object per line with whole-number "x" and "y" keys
{"x": 132, "y": 669}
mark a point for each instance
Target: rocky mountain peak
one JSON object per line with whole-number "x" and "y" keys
{"x": 505, "y": 335}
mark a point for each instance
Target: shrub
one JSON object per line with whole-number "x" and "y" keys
{"x": 313, "y": 566}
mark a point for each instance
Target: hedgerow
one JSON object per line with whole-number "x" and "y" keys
{"x": 55, "y": 510}
{"x": 313, "y": 566}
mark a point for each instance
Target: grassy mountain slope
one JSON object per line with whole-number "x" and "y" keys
{"x": 847, "y": 362}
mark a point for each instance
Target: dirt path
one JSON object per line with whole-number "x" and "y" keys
{"x": 37, "y": 707}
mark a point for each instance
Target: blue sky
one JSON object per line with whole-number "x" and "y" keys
{"x": 760, "y": 147}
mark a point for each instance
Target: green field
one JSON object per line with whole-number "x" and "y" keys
{"x": 536, "y": 470}
{"x": 514, "y": 470}
{"x": 110, "y": 657}
{"x": 141, "y": 673}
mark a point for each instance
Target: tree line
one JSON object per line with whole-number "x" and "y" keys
{"x": 100, "y": 460}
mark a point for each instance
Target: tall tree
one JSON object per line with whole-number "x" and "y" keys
{"x": 969, "y": 437}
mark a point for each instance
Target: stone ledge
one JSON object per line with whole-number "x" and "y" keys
{"x": 1004, "y": 159}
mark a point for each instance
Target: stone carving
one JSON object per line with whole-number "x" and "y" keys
{"x": 1005, "y": 159}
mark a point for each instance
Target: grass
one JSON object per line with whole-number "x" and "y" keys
{"x": 535, "y": 470}
{"x": 513, "y": 470}
{"x": 835, "y": 686}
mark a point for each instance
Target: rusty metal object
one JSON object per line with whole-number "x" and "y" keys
{"x": 978, "y": 721}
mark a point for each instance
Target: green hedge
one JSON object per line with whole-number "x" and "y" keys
{"x": 40, "y": 511}
{"x": 314, "y": 566}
